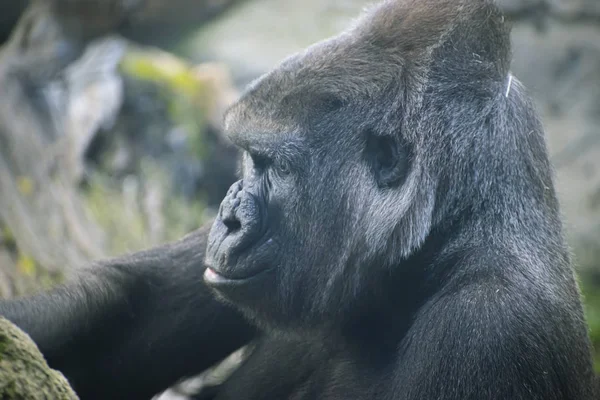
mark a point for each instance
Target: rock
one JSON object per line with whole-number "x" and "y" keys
{"x": 24, "y": 373}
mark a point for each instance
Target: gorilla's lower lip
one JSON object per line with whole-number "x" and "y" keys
{"x": 214, "y": 278}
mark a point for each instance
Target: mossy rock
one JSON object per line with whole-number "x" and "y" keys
{"x": 24, "y": 374}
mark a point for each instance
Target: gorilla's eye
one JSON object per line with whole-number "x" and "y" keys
{"x": 327, "y": 102}
{"x": 282, "y": 167}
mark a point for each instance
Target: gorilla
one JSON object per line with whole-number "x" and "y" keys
{"x": 395, "y": 234}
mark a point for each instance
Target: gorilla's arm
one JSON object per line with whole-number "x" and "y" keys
{"x": 131, "y": 326}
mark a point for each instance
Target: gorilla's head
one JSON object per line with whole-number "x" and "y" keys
{"x": 356, "y": 151}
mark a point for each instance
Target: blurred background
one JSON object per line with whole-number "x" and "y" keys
{"x": 110, "y": 115}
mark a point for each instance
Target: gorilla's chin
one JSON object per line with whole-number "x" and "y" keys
{"x": 238, "y": 290}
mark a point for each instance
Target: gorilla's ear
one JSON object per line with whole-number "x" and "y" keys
{"x": 388, "y": 157}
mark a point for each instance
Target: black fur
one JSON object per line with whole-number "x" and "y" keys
{"x": 130, "y": 327}
{"x": 396, "y": 235}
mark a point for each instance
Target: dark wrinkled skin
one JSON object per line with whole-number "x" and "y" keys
{"x": 395, "y": 235}
{"x": 238, "y": 227}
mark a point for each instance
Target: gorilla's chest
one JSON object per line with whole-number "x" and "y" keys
{"x": 299, "y": 373}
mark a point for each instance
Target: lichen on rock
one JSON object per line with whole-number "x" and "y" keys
{"x": 24, "y": 374}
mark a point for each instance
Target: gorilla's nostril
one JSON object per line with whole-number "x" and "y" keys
{"x": 229, "y": 208}
{"x": 232, "y": 225}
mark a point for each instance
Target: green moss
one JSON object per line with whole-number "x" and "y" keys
{"x": 163, "y": 69}
{"x": 25, "y": 374}
{"x": 186, "y": 96}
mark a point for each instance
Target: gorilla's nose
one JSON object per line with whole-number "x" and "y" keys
{"x": 229, "y": 207}
{"x": 236, "y": 229}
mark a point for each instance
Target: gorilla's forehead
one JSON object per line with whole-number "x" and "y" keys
{"x": 352, "y": 67}
{"x": 308, "y": 84}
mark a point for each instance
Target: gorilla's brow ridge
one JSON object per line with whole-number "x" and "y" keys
{"x": 278, "y": 147}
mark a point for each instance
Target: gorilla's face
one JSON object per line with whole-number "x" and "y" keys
{"x": 289, "y": 232}
{"x": 295, "y": 238}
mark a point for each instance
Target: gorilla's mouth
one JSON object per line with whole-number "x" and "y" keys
{"x": 247, "y": 265}
{"x": 217, "y": 279}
